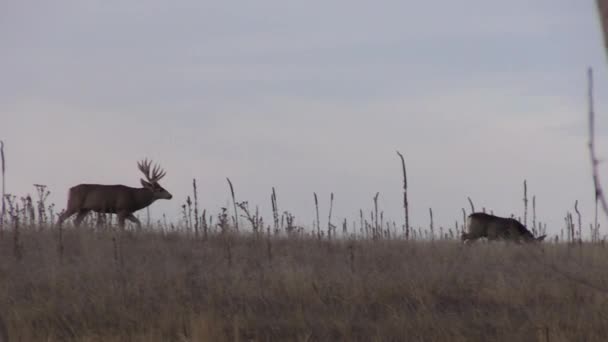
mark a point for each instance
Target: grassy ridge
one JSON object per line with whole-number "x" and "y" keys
{"x": 149, "y": 286}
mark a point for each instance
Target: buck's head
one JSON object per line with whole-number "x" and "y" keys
{"x": 151, "y": 181}
{"x": 529, "y": 237}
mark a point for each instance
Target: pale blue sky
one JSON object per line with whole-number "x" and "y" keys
{"x": 307, "y": 96}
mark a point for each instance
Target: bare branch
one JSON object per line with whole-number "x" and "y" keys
{"x": 602, "y": 8}
{"x": 471, "y": 203}
{"x": 236, "y": 217}
{"x": 599, "y": 195}
{"x": 3, "y": 212}
{"x": 405, "y": 203}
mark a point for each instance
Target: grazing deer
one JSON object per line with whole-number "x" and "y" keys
{"x": 497, "y": 228}
{"x": 116, "y": 199}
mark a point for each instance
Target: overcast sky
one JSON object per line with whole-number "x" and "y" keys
{"x": 307, "y": 96}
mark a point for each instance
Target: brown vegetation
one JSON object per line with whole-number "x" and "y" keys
{"x": 155, "y": 286}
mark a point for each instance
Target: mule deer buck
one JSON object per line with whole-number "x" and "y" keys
{"x": 116, "y": 199}
{"x": 492, "y": 227}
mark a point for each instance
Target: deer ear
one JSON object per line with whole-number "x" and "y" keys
{"x": 146, "y": 184}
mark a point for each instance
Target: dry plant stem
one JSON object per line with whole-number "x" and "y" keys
{"x": 147, "y": 217}
{"x": 196, "y": 218}
{"x": 571, "y": 226}
{"x": 236, "y": 217}
{"x": 3, "y": 185}
{"x": 318, "y": 222}
{"x": 362, "y": 224}
{"x": 599, "y": 195}
{"x": 567, "y": 229}
{"x": 534, "y": 214}
{"x": 405, "y": 203}
{"x": 580, "y": 224}
{"x": 205, "y": 225}
{"x": 275, "y": 209}
{"x": 269, "y": 249}
{"x": 331, "y": 208}
{"x": 16, "y": 243}
{"x": 431, "y": 223}
{"x": 189, "y": 203}
{"x": 351, "y": 250}
{"x": 376, "y": 228}
{"x": 471, "y": 203}
{"x": 42, "y": 196}
{"x": 60, "y": 246}
{"x": 525, "y": 203}
{"x": 464, "y": 220}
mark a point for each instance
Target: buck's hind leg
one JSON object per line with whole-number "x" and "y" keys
{"x": 127, "y": 216}
{"x": 135, "y": 220}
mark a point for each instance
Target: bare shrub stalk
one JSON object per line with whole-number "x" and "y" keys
{"x": 254, "y": 219}
{"x": 364, "y": 231}
{"x": 318, "y": 222}
{"x": 599, "y": 195}
{"x": 431, "y": 225}
{"x": 351, "y": 252}
{"x": 331, "y": 207}
{"x": 376, "y": 227}
{"x": 534, "y": 215}
{"x": 570, "y": 227}
{"x": 269, "y": 248}
{"x": 189, "y": 203}
{"x": 525, "y": 203}
{"x": 275, "y": 210}
{"x": 3, "y": 212}
{"x": 405, "y": 203}
{"x": 16, "y": 242}
{"x": 60, "y": 245}
{"x": 204, "y": 224}
{"x": 471, "y": 203}
{"x": 580, "y": 224}
{"x": 236, "y": 218}
{"x": 43, "y": 194}
{"x": 464, "y": 220}
{"x": 148, "y": 218}
{"x": 196, "y": 217}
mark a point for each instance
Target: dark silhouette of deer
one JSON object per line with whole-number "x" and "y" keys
{"x": 492, "y": 227}
{"x": 116, "y": 199}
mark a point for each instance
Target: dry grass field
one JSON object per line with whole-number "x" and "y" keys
{"x": 210, "y": 281}
{"x": 159, "y": 286}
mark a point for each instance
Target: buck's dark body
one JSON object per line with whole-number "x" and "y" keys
{"x": 482, "y": 225}
{"x": 109, "y": 198}
{"x": 121, "y": 200}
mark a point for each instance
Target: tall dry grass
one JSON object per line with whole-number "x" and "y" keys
{"x": 154, "y": 286}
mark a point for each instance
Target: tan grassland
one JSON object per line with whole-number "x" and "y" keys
{"x": 159, "y": 286}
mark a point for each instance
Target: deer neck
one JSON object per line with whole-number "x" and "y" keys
{"x": 144, "y": 197}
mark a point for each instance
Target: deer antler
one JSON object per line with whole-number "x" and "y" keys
{"x": 157, "y": 172}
